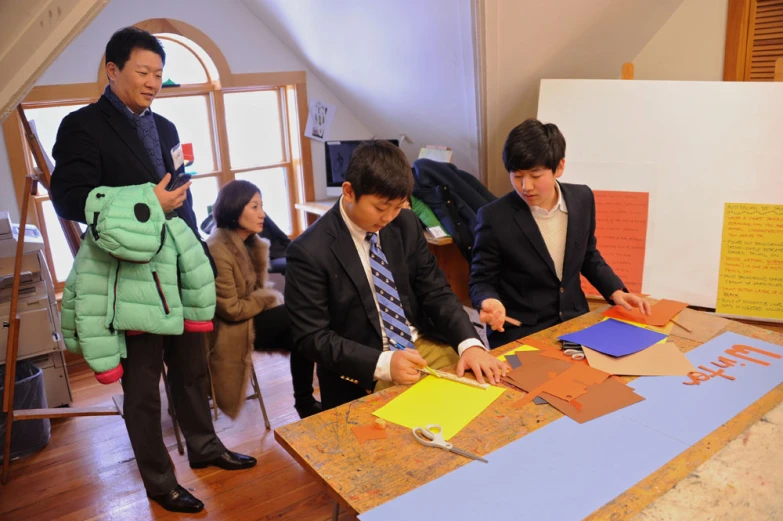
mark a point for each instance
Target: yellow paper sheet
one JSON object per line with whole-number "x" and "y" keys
{"x": 449, "y": 404}
{"x": 525, "y": 347}
{"x": 667, "y": 329}
{"x": 751, "y": 261}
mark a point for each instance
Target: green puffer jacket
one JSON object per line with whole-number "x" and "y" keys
{"x": 137, "y": 271}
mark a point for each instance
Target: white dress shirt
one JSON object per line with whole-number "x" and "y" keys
{"x": 383, "y": 367}
{"x": 553, "y": 225}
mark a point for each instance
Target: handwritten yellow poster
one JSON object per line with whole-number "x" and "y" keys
{"x": 750, "y": 282}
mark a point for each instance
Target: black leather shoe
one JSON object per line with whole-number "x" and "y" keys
{"x": 179, "y": 500}
{"x": 227, "y": 461}
{"x": 308, "y": 409}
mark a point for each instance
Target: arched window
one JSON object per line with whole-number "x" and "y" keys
{"x": 231, "y": 126}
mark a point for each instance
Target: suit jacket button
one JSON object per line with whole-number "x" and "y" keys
{"x": 561, "y": 314}
{"x": 562, "y": 289}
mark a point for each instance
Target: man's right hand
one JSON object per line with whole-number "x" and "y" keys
{"x": 171, "y": 200}
{"x": 493, "y": 313}
{"x": 405, "y": 366}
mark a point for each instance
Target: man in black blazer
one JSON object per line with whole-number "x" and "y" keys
{"x": 350, "y": 309}
{"x": 118, "y": 141}
{"x": 533, "y": 243}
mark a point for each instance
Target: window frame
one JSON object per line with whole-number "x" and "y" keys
{"x": 291, "y": 91}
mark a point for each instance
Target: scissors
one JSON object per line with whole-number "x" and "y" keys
{"x": 432, "y": 436}
{"x": 573, "y": 350}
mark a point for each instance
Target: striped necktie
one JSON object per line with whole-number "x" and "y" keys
{"x": 392, "y": 315}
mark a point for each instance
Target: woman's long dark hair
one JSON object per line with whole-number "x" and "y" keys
{"x": 231, "y": 202}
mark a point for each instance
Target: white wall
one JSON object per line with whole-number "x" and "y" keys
{"x": 400, "y": 67}
{"x": 531, "y": 40}
{"x": 690, "y": 46}
{"x": 247, "y": 44}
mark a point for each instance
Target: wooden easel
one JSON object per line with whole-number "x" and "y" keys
{"x": 627, "y": 71}
{"x": 72, "y": 234}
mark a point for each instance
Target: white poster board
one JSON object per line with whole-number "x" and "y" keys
{"x": 692, "y": 145}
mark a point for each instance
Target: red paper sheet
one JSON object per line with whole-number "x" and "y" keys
{"x": 662, "y": 312}
{"x": 621, "y": 230}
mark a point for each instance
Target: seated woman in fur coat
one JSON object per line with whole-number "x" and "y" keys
{"x": 248, "y": 315}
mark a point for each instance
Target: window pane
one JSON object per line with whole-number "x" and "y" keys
{"x": 204, "y": 191}
{"x": 58, "y": 246}
{"x": 46, "y": 121}
{"x": 253, "y": 122}
{"x": 191, "y": 116}
{"x": 182, "y": 66}
{"x": 206, "y": 59}
{"x": 274, "y": 192}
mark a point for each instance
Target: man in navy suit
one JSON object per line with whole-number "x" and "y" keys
{"x": 361, "y": 283}
{"x": 119, "y": 141}
{"x": 533, "y": 243}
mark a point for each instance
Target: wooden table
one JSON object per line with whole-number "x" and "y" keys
{"x": 362, "y": 477}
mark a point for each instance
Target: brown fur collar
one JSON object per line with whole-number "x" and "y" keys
{"x": 251, "y": 256}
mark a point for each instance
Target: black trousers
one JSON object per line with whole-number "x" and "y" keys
{"x": 273, "y": 332}
{"x": 185, "y": 358}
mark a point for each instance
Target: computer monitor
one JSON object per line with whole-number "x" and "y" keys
{"x": 337, "y": 154}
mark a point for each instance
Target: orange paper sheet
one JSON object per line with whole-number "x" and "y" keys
{"x": 586, "y": 375}
{"x": 564, "y": 388}
{"x": 621, "y": 230}
{"x": 662, "y": 313}
{"x": 600, "y": 399}
{"x": 365, "y": 433}
{"x": 535, "y": 370}
{"x": 567, "y": 383}
{"x": 574, "y": 382}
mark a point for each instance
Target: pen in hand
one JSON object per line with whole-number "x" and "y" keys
{"x": 425, "y": 369}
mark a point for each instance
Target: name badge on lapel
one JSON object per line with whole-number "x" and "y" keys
{"x": 176, "y": 156}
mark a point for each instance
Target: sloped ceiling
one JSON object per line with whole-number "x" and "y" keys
{"x": 408, "y": 66}
{"x": 32, "y": 34}
{"x": 400, "y": 67}
{"x": 529, "y": 40}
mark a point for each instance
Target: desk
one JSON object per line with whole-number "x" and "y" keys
{"x": 361, "y": 477}
{"x": 450, "y": 259}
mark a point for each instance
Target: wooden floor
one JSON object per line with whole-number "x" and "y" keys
{"x": 87, "y": 471}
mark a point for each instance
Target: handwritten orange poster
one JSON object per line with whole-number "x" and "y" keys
{"x": 750, "y": 281}
{"x": 621, "y": 230}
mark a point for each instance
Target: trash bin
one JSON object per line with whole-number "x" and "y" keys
{"x": 27, "y": 436}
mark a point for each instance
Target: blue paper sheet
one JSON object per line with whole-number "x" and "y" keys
{"x": 615, "y": 338}
{"x": 561, "y": 472}
{"x": 598, "y": 460}
{"x": 700, "y": 409}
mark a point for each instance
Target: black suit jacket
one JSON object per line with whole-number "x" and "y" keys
{"x": 97, "y": 146}
{"x": 512, "y": 264}
{"x": 333, "y": 316}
